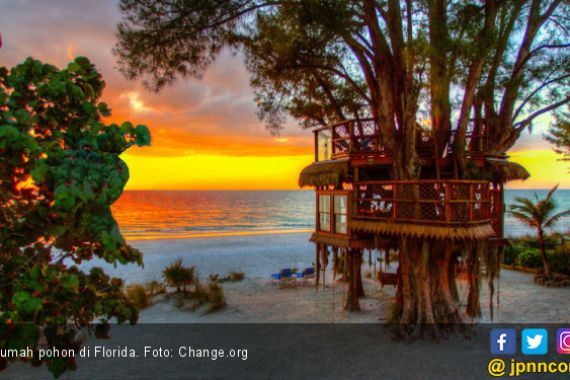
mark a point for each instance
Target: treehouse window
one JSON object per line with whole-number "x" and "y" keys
{"x": 324, "y": 212}
{"x": 340, "y": 214}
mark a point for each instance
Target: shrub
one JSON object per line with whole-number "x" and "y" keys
{"x": 138, "y": 296}
{"x": 559, "y": 261}
{"x": 216, "y": 297}
{"x": 233, "y": 276}
{"x": 155, "y": 288}
{"x": 236, "y": 276}
{"x": 178, "y": 276}
{"x": 529, "y": 258}
{"x": 510, "y": 254}
{"x": 199, "y": 294}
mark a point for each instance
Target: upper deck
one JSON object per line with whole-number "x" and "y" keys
{"x": 360, "y": 141}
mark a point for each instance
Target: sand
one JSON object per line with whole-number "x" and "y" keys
{"x": 258, "y": 299}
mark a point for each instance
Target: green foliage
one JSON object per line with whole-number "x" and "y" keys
{"x": 233, "y": 276}
{"x": 236, "y": 276}
{"x": 60, "y": 171}
{"x": 155, "y": 288}
{"x": 560, "y": 260}
{"x": 178, "y": 276}
{"x": 216, "y": 297}
{"x": 138, "y": 296}
{"x": 510, "y": 253}
{"x": 559, "y": 134}
{"x": 529, "y": 258}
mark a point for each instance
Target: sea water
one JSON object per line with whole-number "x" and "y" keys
{"x": 187, "y": 214}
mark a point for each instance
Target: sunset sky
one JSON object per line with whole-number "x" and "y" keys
{"x": 205, "y": 133}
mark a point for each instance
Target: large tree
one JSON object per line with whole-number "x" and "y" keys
{"x": 60, "y": 171}
{"x": 559, "y": 134}
{"x": 490, "y": 66}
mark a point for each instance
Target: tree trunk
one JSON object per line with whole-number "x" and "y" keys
{"x": 352, "y": 296}
{"x": 545, "y": 262}
{"x": 473, "y": 276}
{"x": 452, "y": 272}
{"x": 425, "y": 296}
{"x": 358, "y": 272}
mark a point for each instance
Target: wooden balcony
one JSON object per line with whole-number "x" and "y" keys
{"x": 440, "y": 202}
{"x": 456, "y": 209}
{"x": 359, "y": 139}
{"x": 349, "y": 138}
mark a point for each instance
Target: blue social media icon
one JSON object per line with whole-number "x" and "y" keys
{"x": 534, "y": 341}
{"x": 503, "y": 342}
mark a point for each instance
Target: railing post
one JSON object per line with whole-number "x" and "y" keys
{"x": 333, "y": 139}
{"x": 471, "y": 204}
{"x": 318, "y": 214}
{"x": 351, "y": 136}
{"x": 316, "y": 145}
{"x": 447, "y": 203}
{"x": 395, "y": 201}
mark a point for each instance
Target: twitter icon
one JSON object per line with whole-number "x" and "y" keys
{"x": 534, "y": 341}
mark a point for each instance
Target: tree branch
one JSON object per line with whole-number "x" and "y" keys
{"x": 526, "y": 122}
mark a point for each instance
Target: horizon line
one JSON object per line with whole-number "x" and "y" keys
{"x": 518, "y": 188}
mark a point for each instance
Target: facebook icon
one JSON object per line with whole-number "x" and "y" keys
{"x": 503, "y": 342}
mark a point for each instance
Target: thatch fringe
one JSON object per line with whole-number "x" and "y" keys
{"x": 338, "y": 241}
{"x": 325, "y": 173}
{"x": 505, "y": 171}
{"x": 479, "y": 232}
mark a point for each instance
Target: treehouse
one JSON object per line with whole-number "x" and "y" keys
{"x": 359, "y": 206}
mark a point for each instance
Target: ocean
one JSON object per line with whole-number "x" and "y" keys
{"x": 146, "y": 215}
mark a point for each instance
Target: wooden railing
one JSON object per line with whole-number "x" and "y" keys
{"x": 362, "y": 138}
{"x": 351, "y": 137}
{"x": 475, "y": 143}
{"x": 439, "y": 202}
{"x": 357, "y": 138}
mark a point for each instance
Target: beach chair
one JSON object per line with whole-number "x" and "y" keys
{"x": 285, "y": 277}
{"x": 306, "y": 274}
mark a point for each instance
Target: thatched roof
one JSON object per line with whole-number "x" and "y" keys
{"x": 478, "y": 232}
{"x": 505, "y": 171}
{"x": 339, "y": 241}
{"x": 325, "y": 173}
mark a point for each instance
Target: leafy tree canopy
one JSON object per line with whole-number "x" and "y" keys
{"x": 559, "y": 134}
{"x": 60, "y": 172}
{"x": 487, "y": 67}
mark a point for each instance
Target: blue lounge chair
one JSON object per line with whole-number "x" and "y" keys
{"x": 307, "y": 274}
{"x": 283, "y": 273}
{"x": 284, "y": 276}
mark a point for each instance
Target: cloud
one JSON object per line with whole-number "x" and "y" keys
{"x": 216, "y": 114}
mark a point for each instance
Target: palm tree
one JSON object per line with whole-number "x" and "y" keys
{"x": 539, "y": 215}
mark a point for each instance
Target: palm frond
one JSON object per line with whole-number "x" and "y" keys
{"x": 550, "y": 222}
{"x": 524, "y": 218}
{"x": 551, "y": 192}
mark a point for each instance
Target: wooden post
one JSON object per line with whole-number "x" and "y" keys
{"x": 316, "y": 145}
{"x": 318, "y": 215}
{"x": 351, "y": 136}
{"x": 395, "y": 201}
{"x": 471, "y": 204}
{"x": 447, "y": 203}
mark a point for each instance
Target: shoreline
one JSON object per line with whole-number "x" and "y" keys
{"x": 216, "y": 234}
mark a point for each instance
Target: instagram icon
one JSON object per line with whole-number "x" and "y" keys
{"x": 563, "y": 341}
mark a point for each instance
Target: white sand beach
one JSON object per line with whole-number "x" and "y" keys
{"x": 259, "y": 300}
